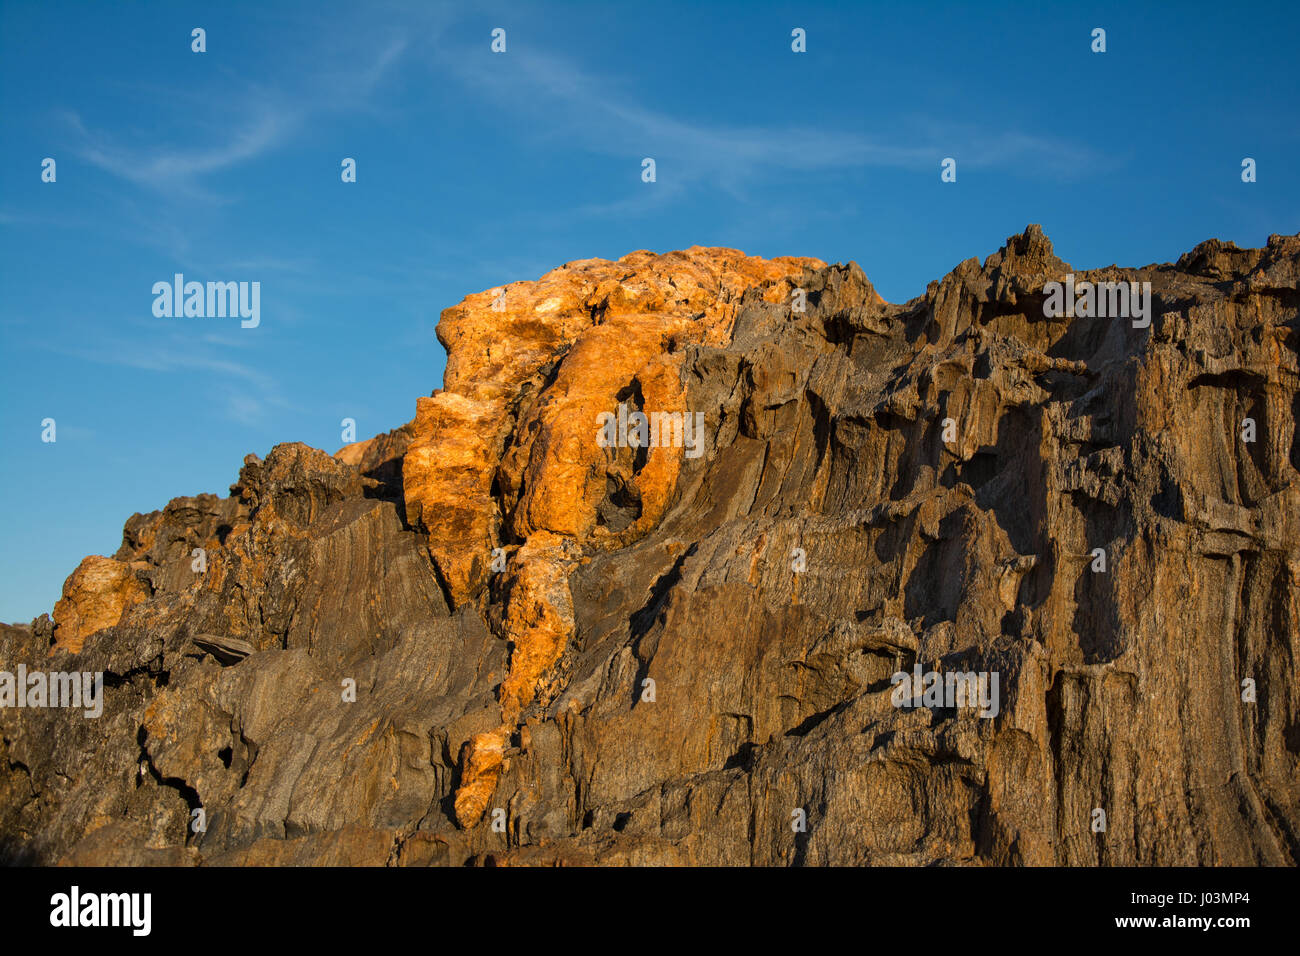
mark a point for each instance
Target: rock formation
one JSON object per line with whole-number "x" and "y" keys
{"x": 494, "y": 636}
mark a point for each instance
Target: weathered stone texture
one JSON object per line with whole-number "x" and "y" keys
{"x": 674, "y": 654}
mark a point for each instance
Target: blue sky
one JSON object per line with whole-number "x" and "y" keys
{"x": 475, "y": 169}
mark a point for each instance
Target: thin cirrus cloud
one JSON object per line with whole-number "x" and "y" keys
{"x": 248, "y": 393}
{"x": 177, "y": 169}
{"x": 579, "y": 108}
{"x": 262, "y": 118}
{"x": 588, "y": 111}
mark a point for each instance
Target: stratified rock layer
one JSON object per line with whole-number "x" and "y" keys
{"x": 484, "y": 637}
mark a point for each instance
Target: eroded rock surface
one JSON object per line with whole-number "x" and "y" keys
{"x": 483, "y": 637}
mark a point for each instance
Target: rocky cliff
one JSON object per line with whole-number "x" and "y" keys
{"x": 639, "y": 583}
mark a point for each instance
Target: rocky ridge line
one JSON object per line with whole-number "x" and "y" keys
{"x": 521, "y": 691}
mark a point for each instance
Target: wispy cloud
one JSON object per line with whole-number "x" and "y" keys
{"x": 177, "y": 169}
{"x": 247, "y": 394}
{"x": 256, "y": 120}
{"x": 599, "y": 115}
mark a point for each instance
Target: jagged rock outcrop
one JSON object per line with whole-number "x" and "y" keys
{"x": 488, "y": 636}
{"x": 529, "y": 365}
{"x": 94, "y": 597}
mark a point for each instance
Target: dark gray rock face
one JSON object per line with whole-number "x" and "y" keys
{"x": 885, "y": 488}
